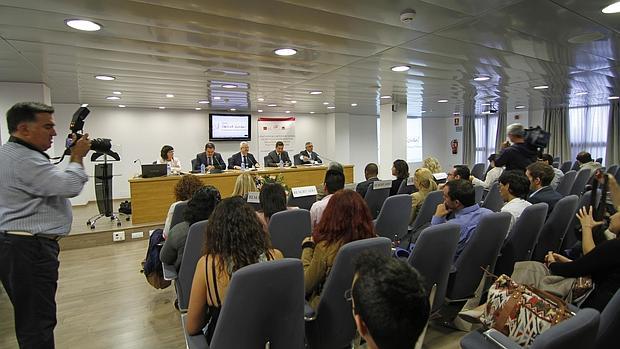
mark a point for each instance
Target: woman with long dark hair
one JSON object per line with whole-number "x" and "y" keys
{"x": 400, "y": 170}
{"x": 272, "y": 199}
{"x": 346, "y": 218}
{"x": 234, "y": 238}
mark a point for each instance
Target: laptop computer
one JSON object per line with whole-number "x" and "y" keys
{"x": 155, "y": 170}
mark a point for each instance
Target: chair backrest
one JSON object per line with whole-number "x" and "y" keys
{"x": 480, "y": 251}
{"x": 265, "y": 160}
{"x": 191, "y": 255}
{"x": 556, "y": 164}
{"x": 427, "y": 209}
{"x": 479, "y": 192}
{"x": 493, "y": 201}
{"x": 521, "y": 240}
{"x": 178, "y": 213}
{"x": 575, "y": 166}
{"x": 571, "y": 237}
{"x": 612, "y": 170}
{"x": 406, "y": 189}
{"x": 577, "y": 332}
{"x": 264, "y": 303}
{"x": 297, "y": 159}
{"x": 393, "y": 220}
{"x": 609, "y": 327}
{"x": 230, "y": 163}
{"x": 478, "y": 171}
{"x": 580, "y": 182}
{"x": 566, "y": 165}
{"x": 304, "y": 202}
{"x": 566, "y": 183}
{"x": 288, "y": 229}
{"x": 432, "y": 256}
{"x": 554, "y": 229}
{"x": 193, "y": 164}
{"x": 375, "y": 198}
{"x": 599, "y": 160}
{"x": 334, "y": 326}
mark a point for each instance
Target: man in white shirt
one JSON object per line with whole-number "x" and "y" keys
{"x": 491, "y": 176}
{"x": 334, "y": 181}
{"x": 514, "y": 187}
{"x": 586, "y": 162}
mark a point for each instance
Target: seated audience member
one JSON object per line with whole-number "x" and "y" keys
{"x": 166, "y": 156}
{"x": 558, "y": 174}
{"x": 346, "y": 218}
{"x": 236, "y": 238}
{"x": 384, "y": 322}
{"x": 199, "y": 208}
{"x": 243, "y": 185}
{"x": 371, "y": 171}
{"x": 460, "y": 199}
{"x": 514, "y": 187}
{"x": 540, "y": 175}
{"x": 518, "y": 155}
{"x": 334, "y": 181}
{"x": 457, "y": 172}
{"x": 400, "y": 170}
{"x": 308, "y": 156}
{"x": 492, "y": 175}
{"x": 423, "y": 180}
{"x": 272, "y": 199}
{"x": 432, "y": 165}
{"x": 585, "y": 162}
{"x": 334, "y": 165}
{"x": 210, "y": 159}
{"x": 183, "y": 191}
{"x": 243, "y": 159}
{"x": 277, "y": 155}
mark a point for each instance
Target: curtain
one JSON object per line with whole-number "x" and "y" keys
{"x": 588, "y": 130}
{"x": 501, "y": 130}
{"x": 556, "y": 122}
{"x": 469, "y": 139}
{"x": 612, "y": 156}
{"x": 486, "y": 133}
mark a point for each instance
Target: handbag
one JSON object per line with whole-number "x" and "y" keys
{"x": 522, "y": 312}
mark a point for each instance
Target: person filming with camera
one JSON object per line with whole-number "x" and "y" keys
{"x": 35, "y": 213}
{"x": 518, "y": 155}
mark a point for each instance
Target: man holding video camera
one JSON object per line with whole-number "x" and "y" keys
{"x": 35, "y": 213}
{"x": 518, "y": 155}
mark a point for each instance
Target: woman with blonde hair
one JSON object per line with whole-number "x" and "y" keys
{"x": 432, "y": 164}
{"x": 424, "y": 181}
{"x": 245, "y": 183}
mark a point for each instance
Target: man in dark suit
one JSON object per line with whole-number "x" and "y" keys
{"x": 275, "y": 156}
{"x": 243, "y": 158}
{"x": 371, "y": 171}
{"x": 210, "y": 159}
{"x": 308, "y": 156}
{"x": 540, "y": 175}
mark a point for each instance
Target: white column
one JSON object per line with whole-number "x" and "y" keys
{"x": 15, "y": 92}
{"x": 392, "y": 137}
{"x": 337, "y": 137}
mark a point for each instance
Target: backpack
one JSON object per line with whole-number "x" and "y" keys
{"x": 151, "y": 265}
{"x": 125, "y": 207}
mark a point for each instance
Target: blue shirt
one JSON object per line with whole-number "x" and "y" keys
{"x": 34, "y": 193}
{"x": 468, "y": 218}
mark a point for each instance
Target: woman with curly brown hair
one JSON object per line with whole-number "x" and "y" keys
{"x": 183, "y": 191}
{"x": 346, "y": 218}
{"x": 234, "y": 238}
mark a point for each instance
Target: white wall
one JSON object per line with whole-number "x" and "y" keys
{"x": 15, "y": 92}
{"x": 536, "y": 118}
{"x": 363, "y": 143}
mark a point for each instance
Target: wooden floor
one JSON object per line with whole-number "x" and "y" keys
{"x": 104, "y": 302}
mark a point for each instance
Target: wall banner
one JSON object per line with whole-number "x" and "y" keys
{"x": 271, "y": 130}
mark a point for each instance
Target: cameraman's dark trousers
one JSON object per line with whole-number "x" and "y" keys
{"x": 29, "y": 273}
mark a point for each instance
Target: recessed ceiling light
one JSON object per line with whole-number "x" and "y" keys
{"x": 82, "y": 24}
{"x": 229, "y": 86}
{"x": 385, "y": 97}
{"x": 486, "y": 112}
{"x": 311, "y": 112}
{"x": 169, "y": 95}
{"x": 581, "y": 93}
{"x": 105, "y": 77}
{"x": 325, "y": 103}
{"x": 613, "y": 8}
{"x": 442, "y": 101}
{"x": 113, "y": 98}
{"x": 485, "y": 104}
{"x": 519, "y": 107}
{"x": 293, "y": 102}
{"x": 260, "y": 110}
{"x": 285, "y": 52}
{"x": 541, "y": 87}
{"x": 233, "y": 109}
{"x": 400, "y": 68}
{"x": 482, "y": 78}
{"x": 203, "y": 101}
{"x": 122, "y": 106}
{"x": 423, "y": 111}
{"x": 117, "y": 92}
{"x": 456, "y": 113}
{"x": 84, "y": 105}
{"x": 331, "y": 107}
{"x": 287, "y": 111}
{"x": 217, "y": 98}
{"x": 316, "y": 92}
{"x": 161, "y": 107}
{"x": 613, "y": 97}
{"x": 272, "y": 105}
{"x": 260, "y": 99}
{"x": 198, "y": 108}
{"x": 354, "y": 104}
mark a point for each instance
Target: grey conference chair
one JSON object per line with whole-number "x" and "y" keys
{"x": 554, "y": 229}
{"x": 612, "y": 170}
{"x": 230, "y": 163}
{"x": 609, "y": 328}
{"x": 424, "y": 217}
{"x": 599, "y": 160}
{"x": 556, "y": 159}
{"x": 481, "y": 250}
{"x": 493, "y": 201}
{"x": 432, "y": 256}
{"x": 304, "y": 202}
{"x": 178, "y": 215}
{"x": 577, "y": 332}
{"x": 191, "y": 255}
{"x": 571, "y": 237}
{"x": 566, "y": 183}
{"x": 393, "y": 219}
{"x": 264, "y": 304}
{"x": 580, "y": 182}
{"x": 406, "y": 189}
{"x": 297, "y": 159}
{"x": 375, "y": 198}
{"x": 288, "y": 229}
{"x": 566, "y": 165}
{"x": 194, "y": 165}
{"x": 556, "y": 164}
{"x": 265, "y": 159}
{"x": 519, "y": 245}
{"x": 575, "y": 166}
{"x": 332, "y": 325}
{"x": 479, "y": 192}
{"x": 478, "y": 171}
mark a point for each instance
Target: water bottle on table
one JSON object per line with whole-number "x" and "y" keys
{"x": 202, "y": 168}
{"x": 168, "y": 169}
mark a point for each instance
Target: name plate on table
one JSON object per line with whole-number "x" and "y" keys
{"x": 304, "y": 191}
{"x": 253, "y": 197}
{"x": 410, "y": 181}
{"x": 381, "y": 184}
{"x": 440, "y": 176}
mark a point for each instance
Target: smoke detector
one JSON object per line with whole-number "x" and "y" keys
{"x": 407, "y": 16}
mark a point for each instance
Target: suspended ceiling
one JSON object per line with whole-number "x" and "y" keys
{"x": 345, "y": 49}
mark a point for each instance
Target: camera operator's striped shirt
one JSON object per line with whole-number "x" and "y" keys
{"x": 34, "y": 193}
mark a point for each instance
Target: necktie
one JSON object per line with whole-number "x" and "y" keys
{"x": 245, "y": 160}
{"x": 210, "y": 162}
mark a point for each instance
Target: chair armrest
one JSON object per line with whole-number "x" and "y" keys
{"x": 500, "y": 339}
{"x": 170, "y": 272}
{"x": 309, "y": 312}
{"x": 198, "y": 341}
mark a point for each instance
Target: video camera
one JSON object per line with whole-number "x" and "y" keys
{"x": 537, "y": 137}
{"x": 99, "y": 145}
